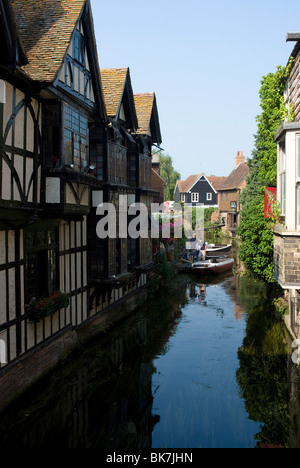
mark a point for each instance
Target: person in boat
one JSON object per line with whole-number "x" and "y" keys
{"x": 202, "y": 250}
{"x": 199, "y": 247}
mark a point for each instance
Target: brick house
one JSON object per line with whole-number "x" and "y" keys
{"x": 229, "y": 194}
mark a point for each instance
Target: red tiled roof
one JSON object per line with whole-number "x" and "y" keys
{"x": 216, "y": 182}
{"x": 236, "y": 178}
{"x": 46, "y": 28}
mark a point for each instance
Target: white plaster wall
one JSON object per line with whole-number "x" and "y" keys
{"x": 52, "y": 190}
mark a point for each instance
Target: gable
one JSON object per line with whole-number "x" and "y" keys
{"x": 46, "y": 28}
{"x": 118, "y": 96}
{"x": 75, "y": 73}
{"x": 51, "y": 33}
{"x": 202, "y": 186}
{"x": 148, "y": 119}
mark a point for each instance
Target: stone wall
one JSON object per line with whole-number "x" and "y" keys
{"x": 287, "y": 259}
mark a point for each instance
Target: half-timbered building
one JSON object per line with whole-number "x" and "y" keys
{"x": 71, "y": 138}
{"x": 50, "y": 96}
{"x": 147, "y": 135}
{"x": 121, "y": 155}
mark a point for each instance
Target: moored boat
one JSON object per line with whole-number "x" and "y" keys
{"x": 215, "y": 266}
{"x": 217, "y": 249}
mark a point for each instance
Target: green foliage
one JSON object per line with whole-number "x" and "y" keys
{"x": 164, "y": 274}
{"x": 273, "y": 114}
{"x": 255, "y": 231}
{"x": 169, "y": 174}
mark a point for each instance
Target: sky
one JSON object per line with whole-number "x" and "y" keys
{"x": 205, "y": 62}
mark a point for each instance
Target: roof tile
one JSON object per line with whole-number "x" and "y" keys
{"x": 236, "y": 178}
{"x": 144, "y": 107}
{"x": 113, "y": 84}
{"x": 46, "y": 29}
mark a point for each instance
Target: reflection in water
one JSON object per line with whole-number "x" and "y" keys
{"x": 185, "y": 371}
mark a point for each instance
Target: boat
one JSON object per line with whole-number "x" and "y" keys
{"x": 217, "y": 249}
{"x": 213, "y": 266}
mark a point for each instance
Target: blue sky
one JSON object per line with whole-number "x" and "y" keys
{"x": 205, "y": 61}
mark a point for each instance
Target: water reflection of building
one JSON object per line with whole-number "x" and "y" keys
{"x": 103, "y": 397}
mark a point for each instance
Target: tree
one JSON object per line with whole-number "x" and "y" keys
{"x": 169, "y": 174}
{"x": 255, "y": 230}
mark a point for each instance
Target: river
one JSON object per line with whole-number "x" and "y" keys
{"x": 191, "y": 369}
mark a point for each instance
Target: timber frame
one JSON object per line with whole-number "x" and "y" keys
{"x": 63, "y": 151}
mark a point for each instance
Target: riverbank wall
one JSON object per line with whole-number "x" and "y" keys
{"x": 18, "y": 376}
{"x": 21, "y": 374}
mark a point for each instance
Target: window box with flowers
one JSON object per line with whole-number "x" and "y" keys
{"x": 41, "y": 308}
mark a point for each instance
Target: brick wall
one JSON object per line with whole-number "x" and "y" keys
{"x": 287, "y": 260}
{"x": 17, "y": 378}
{"x": 21, "y": 374}
{"x": 225, "y": 204}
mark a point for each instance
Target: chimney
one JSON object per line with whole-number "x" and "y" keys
{"x": 240, "y": 158}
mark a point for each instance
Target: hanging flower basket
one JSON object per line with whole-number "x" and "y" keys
{"x": 41, "y": 308}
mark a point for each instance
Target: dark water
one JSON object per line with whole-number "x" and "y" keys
{"x": 187, "y": 371}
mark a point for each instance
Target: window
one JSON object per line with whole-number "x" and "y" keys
{"x": 78, "y": 47}
{"x": 233, "y": 205}
{"x": 298, "y": 206}
{"x": 282, "y": 174}
{"x": 117, "y": 164}
{"x": 209, "y": 196}
{"x": 195, "y": 197}
{"x": 41, "y": 265}
{"x": 52, "y": 135}
{"x": 298, "y": 158}
{"x": 75, "y": 137}
{"x": 182, "y": 197}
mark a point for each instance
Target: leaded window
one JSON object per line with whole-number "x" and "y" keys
{"x": 79, "y": 47}
{"x": 41, "y": 263}
{"x": 75, "y": 137}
